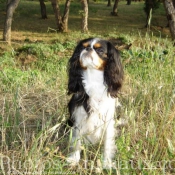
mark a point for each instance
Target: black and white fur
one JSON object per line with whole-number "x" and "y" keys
{"x": 95, "y": 77}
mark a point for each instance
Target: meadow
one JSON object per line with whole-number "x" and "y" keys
{"x": 33, "y": 92}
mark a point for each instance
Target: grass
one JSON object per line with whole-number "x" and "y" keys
{"x": 33, "y": 99}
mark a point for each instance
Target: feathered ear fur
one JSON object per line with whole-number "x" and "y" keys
{"x": 113, "y": 73}
{"x": 74, "y": 72}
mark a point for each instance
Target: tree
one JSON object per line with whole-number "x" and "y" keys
{"x": 11, "y": 6}
{"x": 62, "y": 21}
{"x": 84, "y": 15}
{"x": 109, "y": 3}
{"x": 43, "y": 9}
{"x": 128, "y": 2}
{"x": 115, "y": 11}
{"x": 150, "y": 5}
{"x": 174, "y": 3}
{"x": 170, "y": 11}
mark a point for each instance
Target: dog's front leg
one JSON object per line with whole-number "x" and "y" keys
{"x": 75, "y": 147}
{"x": 109, "y": 145}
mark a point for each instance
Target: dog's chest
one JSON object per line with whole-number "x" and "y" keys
{"x": 95, "y": 128}
{"x": 93, "y": 125}
{"x": 93, "y": 82}
{"x": 100, "y": 116}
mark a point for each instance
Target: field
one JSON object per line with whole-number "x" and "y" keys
{"x": 33, "y": 92}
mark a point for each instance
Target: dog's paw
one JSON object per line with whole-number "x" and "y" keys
{"x": 74, "y": 158}
{"x": 108, "y": 164}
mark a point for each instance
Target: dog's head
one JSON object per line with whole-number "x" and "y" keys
{"x": 95, "y": 53}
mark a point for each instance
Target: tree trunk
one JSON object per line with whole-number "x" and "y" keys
{"x": 84, "y": 16}
{"x": 43, "y": 9}
{"x": 11, "y": 6}
{"x": 128, "y": 2}
{"x": 56, "y": 10}
{"x": 170, "y": 11}
{"x": 148, "y": 10}
{"x": 174, "y": 3}
{"x": 109, "y": 3}
{"x": 115, "y": 12}
{"x": 64, "y": 26}
{"x": 62, "y": 21}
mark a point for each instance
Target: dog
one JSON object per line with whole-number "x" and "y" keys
{"x": 95, "y": 78}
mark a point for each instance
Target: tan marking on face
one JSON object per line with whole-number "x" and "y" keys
{"x": 86, "y": 44}
{"x": 102, "y": 64}
{"x": 84, "y": 67}
{"x": 97, "y": 45}
{"x": 105, "y": 55}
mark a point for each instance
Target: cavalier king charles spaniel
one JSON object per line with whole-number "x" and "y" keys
{"x": 95, "y": 77}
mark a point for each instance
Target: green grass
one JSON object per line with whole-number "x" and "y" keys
{"x": 33, "y": 93}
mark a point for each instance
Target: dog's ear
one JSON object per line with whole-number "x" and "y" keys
{"x": 113, "y": 73}
{"x": 75, "y": 72}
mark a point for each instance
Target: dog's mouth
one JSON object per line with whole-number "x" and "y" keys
{"x": 88, "y": 55}
{"x": 87, "y": 62}
{"x": 90, "y": 59}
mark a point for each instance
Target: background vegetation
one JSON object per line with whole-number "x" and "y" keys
{"x": 33, "y": 99}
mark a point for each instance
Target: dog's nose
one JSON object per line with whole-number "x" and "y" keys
{"x": 88, "y": 48}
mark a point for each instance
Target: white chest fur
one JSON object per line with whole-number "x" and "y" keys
{"x": 99, "y": 100}
{"x": 101, "y": 104}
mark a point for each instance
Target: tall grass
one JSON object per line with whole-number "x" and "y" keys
{"x": 34, "y": 110}
{"x": 151, "y": 104}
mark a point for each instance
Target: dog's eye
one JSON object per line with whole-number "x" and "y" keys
{"x": 99, "y": 50}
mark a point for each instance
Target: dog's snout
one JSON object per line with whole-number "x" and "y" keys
{"x": 88, "y": 48}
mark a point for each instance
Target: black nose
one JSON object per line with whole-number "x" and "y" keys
{"x": 88, "y": 48}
